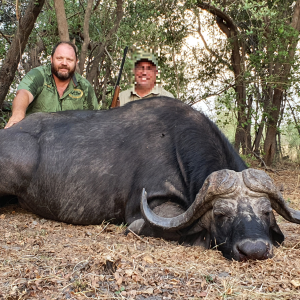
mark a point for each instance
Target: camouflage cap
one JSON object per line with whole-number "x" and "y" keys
{"x": 145, "y": 56}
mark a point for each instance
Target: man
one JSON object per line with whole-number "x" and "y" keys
{"x": 145, "y": 72}
{"x": 54, "y": 87}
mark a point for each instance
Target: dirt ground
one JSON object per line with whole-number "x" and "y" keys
{"x": 42, "y": 259}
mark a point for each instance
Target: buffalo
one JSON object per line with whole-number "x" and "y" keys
{"x": 157, "y": 165}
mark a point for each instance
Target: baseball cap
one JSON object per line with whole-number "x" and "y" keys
{"x": 145, "y": 56}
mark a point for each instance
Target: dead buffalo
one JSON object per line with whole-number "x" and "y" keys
{"x": 83, "y": 167}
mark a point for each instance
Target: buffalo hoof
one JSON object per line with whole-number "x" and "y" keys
{"x": 254, "y": 250}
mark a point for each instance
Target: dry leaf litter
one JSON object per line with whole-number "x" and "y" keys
{"x": 43, "y": 259}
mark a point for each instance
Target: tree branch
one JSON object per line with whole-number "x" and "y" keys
{"x": 211, "y": 95}
{"x": 294, "y": 117}
{"x": 224, "y": 21}
{"x": 12, "y": 58}
{"x": 96, "y": 5}
{"x": 62, "y": 24}
{"x": 213, "y": 53}
{"x": 5, "y": 37}
{"x": 119, "y": 15}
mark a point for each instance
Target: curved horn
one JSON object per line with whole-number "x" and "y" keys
{"x": 259, "y": 181}
{"x": 217, "y": 183}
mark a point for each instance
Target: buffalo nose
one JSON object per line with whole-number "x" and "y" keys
{"x": 256, "y": 250}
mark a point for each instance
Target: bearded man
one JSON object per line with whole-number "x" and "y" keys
{"x": 54, "y": 87}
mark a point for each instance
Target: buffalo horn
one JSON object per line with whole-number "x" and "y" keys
{"x": 259, "y": 181}
{"x": 217, "y": 183}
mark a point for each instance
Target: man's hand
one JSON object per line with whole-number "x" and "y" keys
{"x": 13, "y": 120}
{"x": 20, "y": 104}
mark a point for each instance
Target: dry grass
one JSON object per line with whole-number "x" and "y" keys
{"x": 42, "y": 259}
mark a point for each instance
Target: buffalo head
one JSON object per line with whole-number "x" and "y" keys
{"x": 233, "y": 212}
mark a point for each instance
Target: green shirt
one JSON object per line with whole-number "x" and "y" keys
{"x": 40, "y": 83}
{"x": 131, "y": 95}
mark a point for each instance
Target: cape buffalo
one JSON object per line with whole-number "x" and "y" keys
{"x": 83, "y": 167}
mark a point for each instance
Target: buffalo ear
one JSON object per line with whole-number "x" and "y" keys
{"x": 276, "y": 234}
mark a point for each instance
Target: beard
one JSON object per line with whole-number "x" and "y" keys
{"x": 60, "y": 75}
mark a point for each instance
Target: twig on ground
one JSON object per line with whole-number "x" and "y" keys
{"x": 102, "y": 229}
{"x": 138, "y": 236}
{"x": 264, "y": 164}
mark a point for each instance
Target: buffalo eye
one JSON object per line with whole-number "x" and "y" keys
{"x": 267, "y": 212}
{"x": 220, "y": 214}
{"x": 224, "y": 212}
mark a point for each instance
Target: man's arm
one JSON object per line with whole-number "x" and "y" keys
{"x": 20, "y": 103}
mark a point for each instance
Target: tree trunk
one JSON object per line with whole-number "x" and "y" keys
{"x": 62, "y": 24}
{"x": 86, "y": 36}
{"x": 264, "y": 100}
{"x": 93, "y": 70}
{"x": 258, "y": 136}
{"x": 295, "y": 119}
{"x": 279, "y": 149}
{"x": 107, "y": 75}
{"x": 33, "y": 60}
{"x": 270, "y": 141}
{"x": 12, "y": 58}
{"x": 284, "y": 70}
{"x": 227, "y": 25}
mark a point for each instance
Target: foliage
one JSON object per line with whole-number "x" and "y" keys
{"x": 194, "y": 54}
{"x": 225, "y": 114}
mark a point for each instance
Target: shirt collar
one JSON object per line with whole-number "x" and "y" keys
{"x": 154, "y": 91}
{"x": 74, "y": 80}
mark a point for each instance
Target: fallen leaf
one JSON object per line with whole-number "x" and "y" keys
{"x": 119, "y": 281}
{"x": 202, "y": 294}
{"x": 295, "y": 283}
{"x": 132, "y": 293}
{"x": 148, "y": 259}
{"x": 94, "y": 282}
{"x": 136, "y": 278}
{"x": 129, "y": 272}
{"x": 117, "y": 275}
{"x": 148, "y": 291}
{"x": 174, "y": 281}
{"x": 2, "y": 216}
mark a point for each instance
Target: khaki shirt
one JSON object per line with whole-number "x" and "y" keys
{"x": 131, "y": 95}
{"x": 79, "y": 94}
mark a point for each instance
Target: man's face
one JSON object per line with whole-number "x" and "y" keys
{"x": 63, "y": 62}
{"x": 145, "y": 74}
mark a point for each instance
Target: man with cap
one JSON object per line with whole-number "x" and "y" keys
{"x": 145, "y": 72}
{"x": 54, "y": 87}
